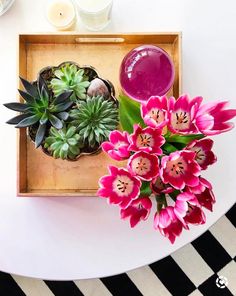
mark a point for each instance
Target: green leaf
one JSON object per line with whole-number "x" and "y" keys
{"x": 85, "y": 132}
{"x": 40, "y": 135}
{"x": 63, "y": 153}
{"x": 72, "y": 141}
{"x": 15, "y": 106}
{"x": 184, "y": 139}
{"x": 56, "y": 153}
{"x": 91, "y": 137}
{"x": 81, "y": 125}
{"x": 168, "y": 148}
{"x": 65, "y": 147}
{"x": 145, "y": 189}
{"x": 84, "y": 84}
{"x": 63, "y": 115}
{"x": 80, "y": 94}
{"x": 27, "y": 97}
{"x": 44, "y": 94}
{"x": 62, "y": 107}
{"x": 42, "y": 84}
{"x": 58, "y": 73}
{"x": 62, "y": 97}
{"x": 30, "y": 88}
{"x": 109, "y": 120}
{"x": 74, "y": 150}
{"x": 77, "y": 137}
{"x": 174, "y": 194}
{"x": 49, "y": 141}
{"x": 28, "y": 121}
{"x": 161, "y": 201}
{"x": 179, "y": 146}
{"x": 44, "y": 118}
{"x": 56, "y": 145}
{"x": 63, "y": 131}
{"x": 56, "y": 122}
{"x": 70, "y": 132}
{"x": 54, "y": 132}
{"x": 129, "y": 112}
{"x": 17, "y": 118}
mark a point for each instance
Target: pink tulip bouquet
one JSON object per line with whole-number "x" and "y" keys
{"x": 166, "y": 147}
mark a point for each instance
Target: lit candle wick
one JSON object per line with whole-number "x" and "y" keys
{"x": 61, "y": 13}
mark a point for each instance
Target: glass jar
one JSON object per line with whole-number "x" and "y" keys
{"x": 5, "y": 5}
{"x": 95, "y": 14}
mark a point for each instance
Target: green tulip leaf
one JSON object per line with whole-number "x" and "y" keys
{"x": 129, "y": 113}
{"x": 168, "y": 148}
{"x": 184, "y": 139}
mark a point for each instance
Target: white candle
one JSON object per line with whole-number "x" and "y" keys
{"x": 95, "y": 14}
{"x": 61, "y": 14}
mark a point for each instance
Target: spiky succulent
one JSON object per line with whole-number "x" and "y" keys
{"x": 70, "y": 78}
{"x": 40, "y": 109}
{"x": 63, "y": 143}
{"x": 94, "y": 119}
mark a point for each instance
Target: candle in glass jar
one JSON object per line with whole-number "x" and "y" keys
{"x": 61, "y": 14}
{"x": 95, "y": 14}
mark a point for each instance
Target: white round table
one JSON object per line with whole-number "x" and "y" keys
{"x": 79, "y": 238}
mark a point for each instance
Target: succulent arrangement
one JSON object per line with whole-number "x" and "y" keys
{"x": 40, "y": 108}
{"x": 69, "y": 111}
{"x": 70, "y": 78}
{"x": 63, "y": 143}
{"x": 95, "y": 118}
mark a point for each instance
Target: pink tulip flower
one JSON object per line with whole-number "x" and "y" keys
{"x": 204, "y": 155}
{"x": 159, "y": 187}
{"x": 182, "y": 114}
{"x": 212, "y": 118}
{"x": 144, "y": 165}
{"x": 147, "y": 139}
{"x": 168, "y": 224}
{"x": 120, "y": 187}
{"x": 204, "y": 194}
{"x": 117, "y": 147}
{"x": 155, "y": 111}
{"x": 179, "y": 169}
{"x": 188, "y": 209}
{"x": 139, "y": 209}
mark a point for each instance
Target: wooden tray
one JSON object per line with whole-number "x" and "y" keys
{"x": 41, "y": 175}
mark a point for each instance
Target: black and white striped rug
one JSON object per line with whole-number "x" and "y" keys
{"x": 205, "y": 267}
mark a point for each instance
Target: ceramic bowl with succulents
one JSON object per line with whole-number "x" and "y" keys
{"x": 69, "y": 111}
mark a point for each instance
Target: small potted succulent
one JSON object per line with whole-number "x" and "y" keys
{"x": 63, "y": 143}
{"x": 69, "y": 111}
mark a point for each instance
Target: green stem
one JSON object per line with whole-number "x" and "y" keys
{"x": 174, "y": 194}
{"x": 161, "y": 201}
{"x": 159, "y": 207}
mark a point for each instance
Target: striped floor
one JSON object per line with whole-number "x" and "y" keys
{"x": 192, "y": 270}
